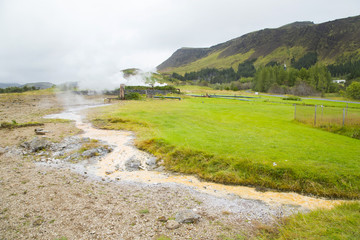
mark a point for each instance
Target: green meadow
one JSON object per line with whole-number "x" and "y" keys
{"x": 235, "y": 142}
{"x": 341, "y": 222}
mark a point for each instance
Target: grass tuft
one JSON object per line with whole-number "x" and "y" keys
{"x": 341, "y": 222}
{"x": 246, "y": 172}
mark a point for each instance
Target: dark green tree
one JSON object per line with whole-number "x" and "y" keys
{"x": 306, "y": 61}
{"x": 353, "y": 91}
{"x": 246, "y": 69}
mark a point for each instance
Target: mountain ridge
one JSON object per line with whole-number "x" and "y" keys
{"x": 332, "y": 41}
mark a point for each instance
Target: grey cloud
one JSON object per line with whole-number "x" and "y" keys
{"x": 91, "y": 40}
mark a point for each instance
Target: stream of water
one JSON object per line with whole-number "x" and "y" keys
{"x": 112, "y": 166}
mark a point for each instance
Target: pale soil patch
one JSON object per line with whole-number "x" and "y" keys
{"x": 27, "y": 108}
{"x": 24, "y": 108}
{"x": 57, "y": 131}
{"x": 45, "y": 203}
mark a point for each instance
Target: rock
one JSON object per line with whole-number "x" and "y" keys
{"x": 68, "y": 144}
{"x": 40, "y": 131}
{"x": 90, "y": 153}
{"x": 37, "y": 144}
{"x": 103, "y": 150}
{"x": 109, "y": 172}
{"x": 160, "y": 169}
{"x": 172, "y": 224}
{"x": 151, "y": 162}
{"x": 96, "y": 152}
{"x": 58, "y": 154}
{"x": 187, "y": 216}
{"x": 75, "y": 156}
{"x": 162, "y": 219}
{"x": 132, "y": 164}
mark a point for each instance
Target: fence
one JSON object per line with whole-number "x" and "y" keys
{"x": 142, "y": 91}
{"x": 320, "y": 115}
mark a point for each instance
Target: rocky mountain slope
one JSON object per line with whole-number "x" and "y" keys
{"x": 334, "y": 41}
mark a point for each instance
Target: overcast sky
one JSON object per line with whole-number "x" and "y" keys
{"x": 91, "y": 40}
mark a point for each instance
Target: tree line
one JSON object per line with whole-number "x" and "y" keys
{"x": 349, "y": 70}
{"x": 214, "y": 76}
{"x": 18, "y": 89}
{"x": 277, "y": 79}
{"x": 304, "y": 77}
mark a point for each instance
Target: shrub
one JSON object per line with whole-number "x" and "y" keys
{"x": 353, "y": 90}
{"x": 276, "y": 89}
{"x": 303, "y": 89}
{"x": 132, "y": 96}
{"x": 292, "y": 98}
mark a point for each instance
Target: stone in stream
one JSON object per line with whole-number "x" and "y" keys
{"x": 151, "y": 162}
{"x": 187, "y": 216}
{"x": 132, "y": 164}
{"x": 96, "y": 152}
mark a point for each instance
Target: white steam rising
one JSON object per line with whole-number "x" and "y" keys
{"x": 113, "y": 81}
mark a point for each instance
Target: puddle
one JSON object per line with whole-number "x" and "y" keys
{"x": 113, "y": 167}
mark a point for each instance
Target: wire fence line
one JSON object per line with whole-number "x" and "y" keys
{"x": 320, "y": 115}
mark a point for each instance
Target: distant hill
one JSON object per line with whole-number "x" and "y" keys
{"x": 41, "y": 85}
{"x": 6, "y": 85}
{"x": 332, "y": 42}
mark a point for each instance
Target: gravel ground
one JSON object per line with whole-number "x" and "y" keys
{"x": 47, "y": 203}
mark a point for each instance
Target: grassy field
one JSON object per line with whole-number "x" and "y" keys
{"x": 251, "y": 143}
{"x": 202, "y": 90}
{"x": 342, "y": 222}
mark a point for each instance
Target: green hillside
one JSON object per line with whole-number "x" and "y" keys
{"x": 332, "y": 42}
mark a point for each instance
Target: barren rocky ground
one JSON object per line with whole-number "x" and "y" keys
{"x": 42, "y": 202}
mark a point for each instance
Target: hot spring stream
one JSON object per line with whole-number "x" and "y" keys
{"x": 112, "y": 167}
